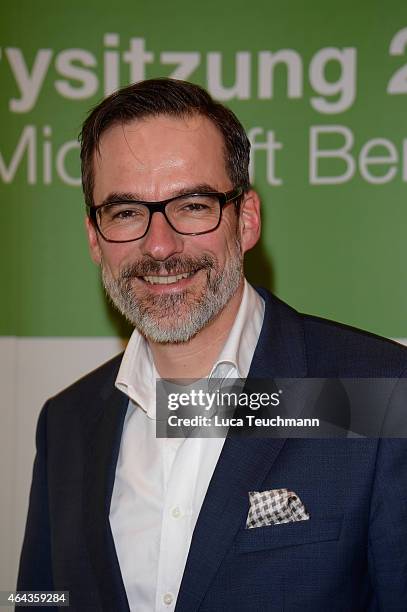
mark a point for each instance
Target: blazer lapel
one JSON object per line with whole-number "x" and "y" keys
{"x": 104, "y": 430}
{"x": 280, "y": 350}
{"x": 244, "y": 462}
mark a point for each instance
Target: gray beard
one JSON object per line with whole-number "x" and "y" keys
{"x": 163, "y": 318}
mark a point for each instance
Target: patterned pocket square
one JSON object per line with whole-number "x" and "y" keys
{"x": 274, "y": 507}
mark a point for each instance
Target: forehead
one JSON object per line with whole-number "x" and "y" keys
{"x": 155, "y": 157}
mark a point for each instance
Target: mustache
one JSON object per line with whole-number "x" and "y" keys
{"x": 173, "y": 265}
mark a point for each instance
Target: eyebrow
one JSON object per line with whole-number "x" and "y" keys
{"x": 120, "y": 196}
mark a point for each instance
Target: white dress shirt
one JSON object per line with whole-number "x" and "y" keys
{"x": 160, "y": 483}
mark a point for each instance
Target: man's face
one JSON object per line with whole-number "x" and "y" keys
{"x": 151, "y": 160}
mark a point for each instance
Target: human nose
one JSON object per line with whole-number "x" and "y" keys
{"x": 161, "y": 241}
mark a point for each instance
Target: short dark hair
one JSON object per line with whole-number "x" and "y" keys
{"x": 171, "y": 97}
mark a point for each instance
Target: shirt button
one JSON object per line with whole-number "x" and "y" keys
{"x": 168, "y": 598}
{"x": 176, "y": 512}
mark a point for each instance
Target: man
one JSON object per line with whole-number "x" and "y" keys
{"x": 125, "y": 520}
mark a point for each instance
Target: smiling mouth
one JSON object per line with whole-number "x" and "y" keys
{"x": 167, "y": 279}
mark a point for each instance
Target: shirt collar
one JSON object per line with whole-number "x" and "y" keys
{"x": 241, "y": 342}
{"x": 137, "y": 374}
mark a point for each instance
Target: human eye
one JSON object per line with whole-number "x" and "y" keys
{"x": 122, "y": 212}
{"x": 196, "y": 204}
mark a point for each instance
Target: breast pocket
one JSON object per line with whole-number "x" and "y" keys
{"x": 314, "y": 530}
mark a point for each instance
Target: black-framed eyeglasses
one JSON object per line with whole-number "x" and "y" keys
{"x": 191, "y": 214}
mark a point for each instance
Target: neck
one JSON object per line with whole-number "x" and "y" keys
{"x": 195, "y": 358}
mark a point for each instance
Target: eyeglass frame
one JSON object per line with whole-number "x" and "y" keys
{"x": 153, "y": 207}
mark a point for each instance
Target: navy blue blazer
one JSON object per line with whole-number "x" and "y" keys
{"x": 350, "y": 556}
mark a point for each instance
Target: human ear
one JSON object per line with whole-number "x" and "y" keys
{"x": 93, "y": 241}
{"x": 250, "y": 220}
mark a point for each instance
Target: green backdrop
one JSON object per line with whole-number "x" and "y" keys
{"x": 320, "y": 86}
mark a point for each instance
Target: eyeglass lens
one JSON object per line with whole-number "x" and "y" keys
{"x": 190, "y": 214}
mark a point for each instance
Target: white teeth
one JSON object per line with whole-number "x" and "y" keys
{"x": 166, "y": 280}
